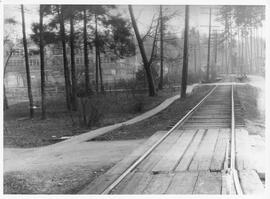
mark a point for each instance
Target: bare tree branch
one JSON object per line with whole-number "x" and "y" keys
{"x": 149, "y": 29}
{"x": 154, "y": 44}
{"x": 6, "y": 64}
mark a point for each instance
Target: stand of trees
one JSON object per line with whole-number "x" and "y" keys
{"x": 102, "y": 28}
{"x": 240, "y": 23}
{"x": 115, "y": 37}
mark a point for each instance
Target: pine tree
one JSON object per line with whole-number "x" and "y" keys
{"x": 185, "y": 54}
{"x": 28, "y": 77}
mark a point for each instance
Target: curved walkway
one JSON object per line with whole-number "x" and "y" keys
{"x": 47, "y": 153}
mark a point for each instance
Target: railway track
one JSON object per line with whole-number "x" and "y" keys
{"x": 206, "y": 152}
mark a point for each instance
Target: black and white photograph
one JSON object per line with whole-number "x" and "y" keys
{"x": 134, "y": 98}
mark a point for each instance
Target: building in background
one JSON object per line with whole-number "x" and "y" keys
{"x": 113, "y": 70}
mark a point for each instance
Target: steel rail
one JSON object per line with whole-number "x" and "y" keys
{"x": 233, "y": 171}
{"x": 138, "y": 161}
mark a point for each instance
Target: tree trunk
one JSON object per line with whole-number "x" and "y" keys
{"x": 230, "y": 47}
{"x": 5, "y": 68}
{"x": 251, "y": 50}
{"x": 242, "y": 54}
{"x": 195, "y": 59}
{"x": 248, "y": 55}
{"x": 5, "y": 99}
{"x": 239, "y": 52}
{"x": 199, "y": 51}
{"x": 216, "y": 48}
{"x": 261, "y": 44}
{"x": 28, "y": 77}
{"x": 185, "y": 54}
{"x": 146, "y": 63}
{"x": 100, "y": 73}
{"x": 226, "y": 56}
{"x": 42, "y": 66}
{"x": 226, "y": 44}
{"x": 222, "y": 59}
{"x": 66, "y": 69}
{"x": 86, "y": 60}
{"x": 208, "y": 52}
{"x": 160, "y": 85}
{"x": 96, "y": 48}
{"x": 256, "y": 43}
{"x": 73, "y": 67}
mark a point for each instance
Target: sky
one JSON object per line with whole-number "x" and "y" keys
{"x": 143, "y": 14}
{"x": 199, "y": 17}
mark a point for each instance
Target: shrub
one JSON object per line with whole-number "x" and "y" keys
{"x": 194, "y": 77}
{"x": 90, "y": 111}
{"x": 138, "y": 106}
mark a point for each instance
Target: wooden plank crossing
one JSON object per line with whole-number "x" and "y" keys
{"x": 210, "y": 117}
{"x": 101, "y": 183}
{"x": 183, "y": 183}
{"x": 172, "y": 157}
{"x": 195, "y": 168}
{"x": 188, "y": 156}
{"x": 243, "y": 151}
{"x": 158, "y": 153}
{"x": 192, "y": 159}
{"x": 158, "y": 184}
{"x": 213, "y": 120}
{"x": 227, "y": 186}
{"x": 208, "y": 183}
{"x": 205, "y": 126}
{"x": 203, "y": 157}
{"x": 220, "y": 150}
{"x": 134, "y": 184}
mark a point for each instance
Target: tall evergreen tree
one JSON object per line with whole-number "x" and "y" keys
{"x": 60, "y": 12}
{"x": 86, "y": 60}
{"x": 28, "y": 77}
{"x": 209, "y": 46}
{"x": 72, "y": 60}
{"x": 97, "y": 52}
{"x": 42, "y": 64}
{"x": 160, "y": 85}
{"x": 185, "y": 54}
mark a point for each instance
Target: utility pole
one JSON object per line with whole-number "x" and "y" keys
{"x": 209, "y": 39}
{"x": 185, "y": 54}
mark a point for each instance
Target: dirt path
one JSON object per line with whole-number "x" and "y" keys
{"x": 66, "y": 166}
{"x": 78, "y": 141}
{"x": 61, "y": 172}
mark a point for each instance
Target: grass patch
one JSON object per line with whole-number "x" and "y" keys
{"x": 161, "y": 121}
{"x": 20, "y": 131}
{"x": 52, "y": 181}
{"x": 254, "y": 118}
